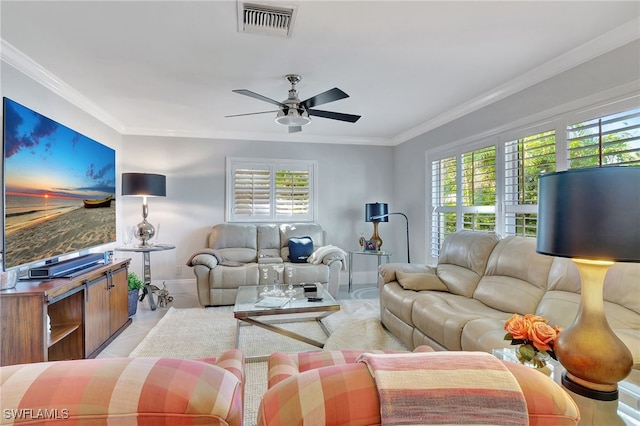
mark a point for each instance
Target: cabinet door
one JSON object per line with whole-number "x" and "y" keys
{"x": 97, "y": 317}
{"x": 118, "y": 299}
{"x": 23, "y": 329}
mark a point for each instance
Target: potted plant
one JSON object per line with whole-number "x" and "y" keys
{"x": 135, "y": 285}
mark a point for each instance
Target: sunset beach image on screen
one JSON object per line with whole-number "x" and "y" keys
{"x": 59, "y": 188}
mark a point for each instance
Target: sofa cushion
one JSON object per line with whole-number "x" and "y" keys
{"x": 225, "y": 235}
{"x": 442, "y": 316}
{"x": 269, "y": 237}
{"x": 312, "y": 230}
{"x": 420, "y": 281}
{"x": 515, "y": 278}
{"x": 463, "y": 259}
{"x": 239, "y": 254}
{"x": 300, "y": 248}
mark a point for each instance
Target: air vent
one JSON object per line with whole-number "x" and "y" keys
{"x": 265, "y": 19}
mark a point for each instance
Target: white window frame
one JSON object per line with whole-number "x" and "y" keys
{"x": 559, "y": 123}
{"x": 234, "y": 163}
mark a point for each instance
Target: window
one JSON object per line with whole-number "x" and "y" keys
{"x": 275, "y": 190}
{"x": 525, "y": 160}
{"x": 443, "y": 196}
{"x": 479, "y": 189}
{"x": 495, "y": 187}
{"x": 611, "y": 140}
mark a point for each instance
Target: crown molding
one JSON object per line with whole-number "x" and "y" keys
{"x": 611, "y": 40}
{"x": 253, "y": 136}
{"x": 23, "y": 63}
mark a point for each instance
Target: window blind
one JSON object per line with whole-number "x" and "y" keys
{"x": 525, "y": 160}
{"x": 278, "y": 190}
{"x": 604, "y": 141}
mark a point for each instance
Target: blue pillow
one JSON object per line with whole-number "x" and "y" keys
{"x": 300, "y": 248}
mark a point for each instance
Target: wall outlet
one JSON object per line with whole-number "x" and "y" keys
{"x": 178, "y": 269}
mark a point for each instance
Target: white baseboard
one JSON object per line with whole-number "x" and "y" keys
{"x": 177, "y": 286}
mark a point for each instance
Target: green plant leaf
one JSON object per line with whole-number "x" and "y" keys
{"x": 135, "y": 283}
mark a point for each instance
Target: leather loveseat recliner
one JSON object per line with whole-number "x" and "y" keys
{"x": 236, "y": 254}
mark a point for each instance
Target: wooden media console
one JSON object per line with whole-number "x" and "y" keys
{"x": 86, "y": 312}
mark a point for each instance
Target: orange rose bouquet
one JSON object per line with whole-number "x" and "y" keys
{"x": 535, "y": 337}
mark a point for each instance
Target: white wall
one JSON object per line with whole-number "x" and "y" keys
{"x": 349, "y": 176}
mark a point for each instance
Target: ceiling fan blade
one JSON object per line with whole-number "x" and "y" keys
{"x": 257, "y": 96}
{"x": 294, "y": 129}
{"x": 249, "y": 113}
{"x": 324, "y": 98}
{"x": 351, "y": 118}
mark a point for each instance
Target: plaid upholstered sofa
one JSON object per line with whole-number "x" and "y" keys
{"x": 330, "y": 387}
{"x": 235, "y": 253}
{"x": 125, "y": 391}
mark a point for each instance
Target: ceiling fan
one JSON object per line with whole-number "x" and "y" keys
{"x": 295, "y": 113}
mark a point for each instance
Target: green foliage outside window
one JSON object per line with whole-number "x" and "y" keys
{"x": 610, "y": 140}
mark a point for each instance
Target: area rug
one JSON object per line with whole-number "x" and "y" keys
{"x": 206, "y": 332}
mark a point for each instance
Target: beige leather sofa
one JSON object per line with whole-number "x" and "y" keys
{"x": 487, "y": 279}
{"x": 236, "y": 253}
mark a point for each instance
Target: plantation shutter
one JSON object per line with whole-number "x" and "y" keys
{"x": 443, "y": 200}
{"x": 605, "y": 141}
{"x": 479, "y": 189}
{"x": 280, "y": 190}
{"x": 292, "y": 193}
{"x": 525, "y": 160}
{"x": 252, "y": 194}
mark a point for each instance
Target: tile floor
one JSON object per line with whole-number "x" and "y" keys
{"x": 185, "y": 297}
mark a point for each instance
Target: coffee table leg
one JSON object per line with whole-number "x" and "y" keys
{"x": 284, "y": 332}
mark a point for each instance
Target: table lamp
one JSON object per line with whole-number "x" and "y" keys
{"x": 380, "y": 211}
{"x": 592, "y": 216}
{"x": 144, "y": 185}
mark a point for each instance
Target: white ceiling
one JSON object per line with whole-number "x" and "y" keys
{"x": 168, "y": 67}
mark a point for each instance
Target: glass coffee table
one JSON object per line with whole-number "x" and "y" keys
{"x": 249, "y": 310}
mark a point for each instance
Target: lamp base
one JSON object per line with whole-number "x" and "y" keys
{"x": 594, "y": 357}
{"x": 144, "y": 231}
{"x": 588, "y": 392}
{"x": 375, "y": 237}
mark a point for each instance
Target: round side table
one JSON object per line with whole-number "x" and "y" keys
{"x": 146, "y": 256}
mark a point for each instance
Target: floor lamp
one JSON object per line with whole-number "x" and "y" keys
{"x": 592, "y": 216}
{"x": 144, "y": 185}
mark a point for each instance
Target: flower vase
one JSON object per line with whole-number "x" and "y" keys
{"x": 539, "y": 361}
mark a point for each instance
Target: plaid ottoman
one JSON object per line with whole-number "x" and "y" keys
{"x": 329, "y": 388}
{"x": 125, "y": 391}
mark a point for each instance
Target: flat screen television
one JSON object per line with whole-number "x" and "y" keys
{"x": 59, "y": 189}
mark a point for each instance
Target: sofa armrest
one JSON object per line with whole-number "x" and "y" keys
{"x": 333, "y": 257}
{"x": 231, "y": 360}
{"x": 337, "y": 395}
{"x": 327, "y": 255}
{"x": 208, "y": 260}
{"x": 387, "y": 272}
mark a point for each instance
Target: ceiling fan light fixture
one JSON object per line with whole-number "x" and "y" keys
{"x": 293, "y": 118}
